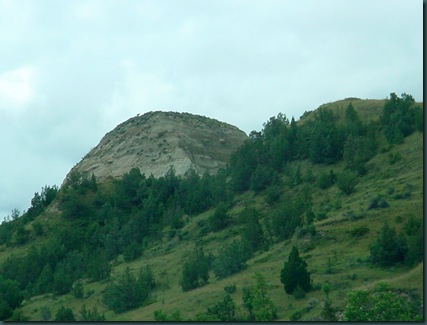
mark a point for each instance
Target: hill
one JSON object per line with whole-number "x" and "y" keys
{"x": 213, "y": 247}
{"x": 156, "y": 140}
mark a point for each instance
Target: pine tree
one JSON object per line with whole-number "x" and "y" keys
{"x": 295, "y": 273}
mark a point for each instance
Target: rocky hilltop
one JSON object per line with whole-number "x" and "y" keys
{"x": 157, "y": 140}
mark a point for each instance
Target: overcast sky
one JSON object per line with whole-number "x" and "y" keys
{"x": 70, "y": 71}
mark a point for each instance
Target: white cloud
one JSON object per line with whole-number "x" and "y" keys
{"x": 17, "y": 87}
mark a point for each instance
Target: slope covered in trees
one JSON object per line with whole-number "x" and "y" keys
{"x": 343, "y": 189}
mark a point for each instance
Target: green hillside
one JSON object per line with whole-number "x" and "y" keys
{"x": 343, "y": 185}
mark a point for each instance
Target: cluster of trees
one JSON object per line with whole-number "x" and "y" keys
{"x": 323, "y": 138}
{"x": 129, "y": 292}
{"x": 390, "y": 248}
{"x": 257, "y": 305}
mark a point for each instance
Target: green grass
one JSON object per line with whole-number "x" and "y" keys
{"x": 337, "y": 257}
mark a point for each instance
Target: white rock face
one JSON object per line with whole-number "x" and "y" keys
{"x": 155, "y": 141}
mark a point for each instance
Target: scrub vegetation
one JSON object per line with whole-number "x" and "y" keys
{"x": 316, "y": 219}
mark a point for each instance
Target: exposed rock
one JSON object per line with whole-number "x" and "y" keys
{"x": 157, "y": 140}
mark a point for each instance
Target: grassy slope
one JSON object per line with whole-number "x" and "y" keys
{"x": 333, "y": 242}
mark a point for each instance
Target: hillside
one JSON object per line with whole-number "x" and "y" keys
{"x": 278, "y": 191}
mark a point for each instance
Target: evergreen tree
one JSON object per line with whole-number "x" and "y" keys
{"x": 64, "y": 315}
{"x": 388, "y": 248}
{"x": 253, "y": 235}
{"x": 295, "y": 273}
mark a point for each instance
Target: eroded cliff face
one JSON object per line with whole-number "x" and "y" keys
{"x": 155, "y": 141}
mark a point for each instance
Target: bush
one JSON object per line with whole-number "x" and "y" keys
{"x": 378, "y": 202}
{"x": 326, "y": 180}
{"x": 219, "y": 219}
{"x": 125, "y": 294}
{"x": 231, "y": 259}
{"x": 359, "y": 231}
{"x": 257, "y": 302}
{"x": 195, "y": 271}
{"x": 379, "y": 304}
{"x": 388, "y": 248}
{"x": 230, "y": 288}
{"x": 64, "y": 315}
{"x": 346, "y": 182}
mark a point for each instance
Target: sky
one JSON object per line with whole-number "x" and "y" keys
{"x": 72, "y": 70}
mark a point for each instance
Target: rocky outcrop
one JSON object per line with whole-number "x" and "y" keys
{"x": 155, "y": 141}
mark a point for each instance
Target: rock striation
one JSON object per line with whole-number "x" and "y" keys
{"x": 155, "y": 141}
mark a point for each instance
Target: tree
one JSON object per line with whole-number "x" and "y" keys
{"x": 253, "y": 235}
{"x": 347, "y": 181}
{"x": 295, "y": 273}
{"x": 64, "y": 315}
{"x": 231, "y": 259}
{"x": 224, "y": 310}
{"x": 397, "y": 118}
{"x": 220, "y": 218}
{"x": 388, "y": 248}
{"x": 91, "y": 315}
{"x": 195, "y": 271}
{"x": 257, "y": 301}
{"x": 125, "y": 294}
{"x": 381, "y": 303}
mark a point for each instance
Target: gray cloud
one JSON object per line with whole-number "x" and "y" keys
{"x": 72, "y": 70}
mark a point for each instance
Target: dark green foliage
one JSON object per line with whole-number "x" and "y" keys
{"x": 359, "y": 231}
{"x": 98, "y": 267}
{"x": 295, "y": 273}
{"x": 347, "y": 181}
{"x": 379, "y": 304}
{"x": 415, "y": 240}
{"x": 326, "y": 180}
{"x": 10, "y": 297}
{"x": 77, "y": 290}
{"x": 230, "y": 288}
{"x": 326, "y": 145}
{"x": 231, "y": 259}
{"x": 378, "y": 202}
{"x": 220, "y": 218}
{"x": 398, "y": 118}
{"x": 287, "y": 217}
{"x": 257, "y": 302}
{"x": 126, "y": 293}
{"x": 195, "y": 271}
{"x": 388, "y": 248}
{"x": 261, "y": 178}
{"x": 224, "y": 310}
{"x": 132, "y": 252}
{"x": 146, "y": 278}
{"x": 62, "y": 279}
{"x": 64, "y": 315}
{"x": 253, "y": 235}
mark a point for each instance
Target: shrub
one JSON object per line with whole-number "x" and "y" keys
{"x": 230, "y": 288}
{"x": 381, "y": 303}
{"x": 388, "y": 248}
{"x": 326, "y": 180}
{"x": 378, "y": 202}
{"x": 346, "y": 182}
{"x": 125, "y": 294}
{"x": 231, "y": 259}
{"x": 195, "y": 271}
{"x": 257, "y": 302}
{"x": 64, "y": 315}
{"x": 359, "y": 231}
